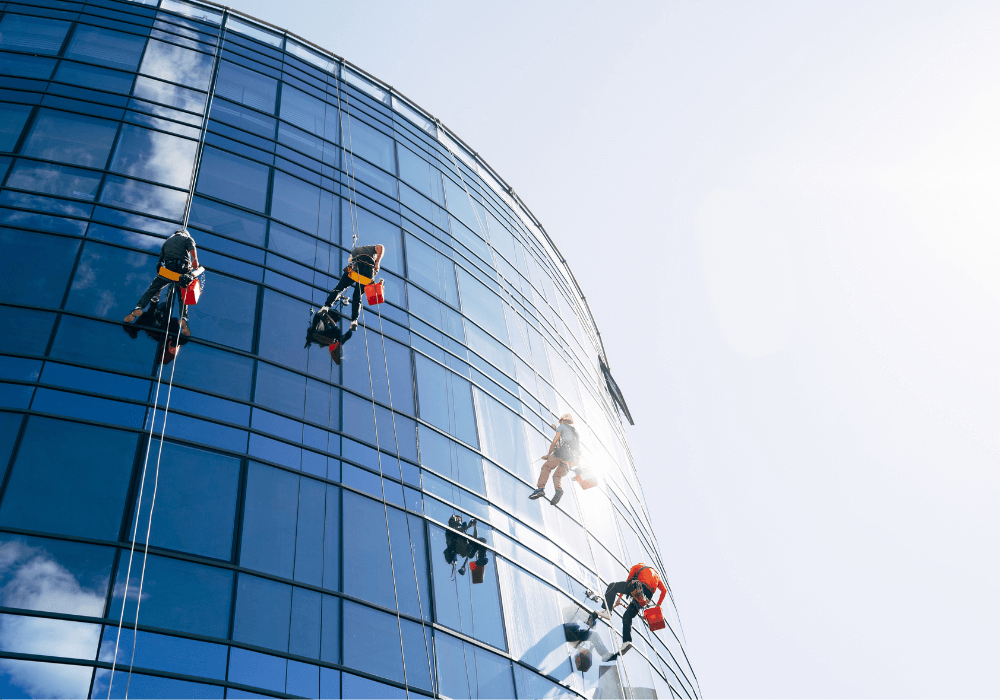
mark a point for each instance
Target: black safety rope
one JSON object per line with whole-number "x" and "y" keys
{"x": 166, "y": 409}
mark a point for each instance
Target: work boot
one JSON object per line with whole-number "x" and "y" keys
{"x": 604, "y": 614}
{"x": 537, "y": 493}
{"x": 133, "y": 317}
{"x": 556, "y": 497}
{"x": 625, "y": 647}
{"x": 185, "y": 331}
{"x": 354, "y": 324}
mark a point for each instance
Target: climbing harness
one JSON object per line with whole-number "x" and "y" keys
{"x": 354, "y": 230}
{"x": 190, "y": 285}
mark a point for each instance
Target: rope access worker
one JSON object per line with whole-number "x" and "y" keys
{"x": 179, "y": 256}
{"x": 325, "y": 332}
{"x": 362, "y": 267}
{"x": 640, "y": 585}
{"x": 469, "y": 547}
{"x": 563, "y": 453}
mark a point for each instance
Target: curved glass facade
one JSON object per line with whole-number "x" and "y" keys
{"x": 300, "y": 541}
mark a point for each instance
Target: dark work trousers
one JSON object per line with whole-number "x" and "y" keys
{"x": 623, "y": 588}
{"x": 155, "y": 286}
{"x": 343, "y": 284}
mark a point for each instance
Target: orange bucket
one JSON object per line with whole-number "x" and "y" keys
{"x": 375, "y": 292}
{"x": 586, "y": 479}
{"x": 192, "y": 292}
{"x": 654, "y": 618}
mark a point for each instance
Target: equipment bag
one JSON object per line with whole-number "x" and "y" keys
{"x": 654, "y": 618}
{"x": 586, "y": 478}
{"x": 375, "y": 293}
{"x": 478, "y": 572}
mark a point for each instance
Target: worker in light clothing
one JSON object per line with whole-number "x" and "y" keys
{"x": 563, "y": 453}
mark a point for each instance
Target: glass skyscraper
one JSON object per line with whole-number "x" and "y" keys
{"x": 306, "y": 537}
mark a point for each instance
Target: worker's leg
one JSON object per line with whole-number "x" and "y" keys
{"x": 561, "y": 471}
{"x": 543, "y": 478}
{"x": 343, "y": 284}
{"x": 630, "y": 614}
{"x": 346, "y": 336}
{"x": 155, "y": 286}
{"x": 614, "y": 590}
{"x": 356, "y": 303}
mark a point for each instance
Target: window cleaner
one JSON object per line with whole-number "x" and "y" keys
{"x": 177, "y": 264}
{"x": 461, "y": 546}
{"x": 362, "y": 267}
{"x": 325, "y": 332}
{"x": 564, "y": 452}
{"x": 642, "y": 582}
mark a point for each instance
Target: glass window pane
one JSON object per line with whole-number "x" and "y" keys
{"x": 94, "y": 77}
{"x": 27, "y": 679}
{"x": 227, "y": 221}
{"x": 255, "y": 669}
{"x": 452, "y": 460}
{"x": 164, "y": 653}
{"x": 371, "y": 642}
{"x": 233, "y": 179}
{"x": 35, "y": 267}
{"x": 154, "y": 155}
{"x": 195, "y": 501}
{"x": 169, "y": 94}
{"x": 225, "y": 313}
{"x": 360, "y": 687}
{"x": 306, "y": 621}
{"x": 54, "y": 179}
{"x": 367, "y": 571}
{"x": 263, "y": 610}
{"x": 26, "y": 634}
{"x": 109, "y": 280}
{"x": 106, "y": 47}
{"x": 25, "y": 66}
{"x": 69, "y": 478}
{"x": 101, "y": 344}
{"x": 141, "y": 196}
{"x": 177, "y": 64}
{"x": 431, "y": 270}
{"x": 215, "y": 370}
{"x": 54, "y": 576}
{"x": 242, "y": 117}
{"x": 445, "y": 400}
{"x": 502, "y": 435}
{"x": 176, "y": 595}
{"x": 143, "y": 686}
{"x": 483, "y": 306}
{"x": 247, "y": 87}
{"x": 71, "y": 138}
{"x": 268, "y": 541}
{"x": 12, "y": 120}
{"x": 371, "y": 144}
{"x": 382, "y": 353}
{"x": 309, "y": 113}
{"x": 420, "y": 174}
{"x": 297, "y": 203}
{"x": 32, "y": 34}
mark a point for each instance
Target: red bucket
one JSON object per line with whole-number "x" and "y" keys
{"x": 586, "y": 479}
{"x": 375, "y": 292}
{"x": 478, "y": 572}
{"x": 654, "y": 618}
{"x": 192, "y": 292}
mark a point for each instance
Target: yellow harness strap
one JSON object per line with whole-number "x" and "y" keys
{"x": 361, "y": 279}
{"x": 168, "y": 274}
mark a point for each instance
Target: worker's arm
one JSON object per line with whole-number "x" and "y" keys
{"x": 663, "y": 593}
{"x": 379, "y": 252}
{"x": 194, "y": 256}
{"x": 552, "y": 447}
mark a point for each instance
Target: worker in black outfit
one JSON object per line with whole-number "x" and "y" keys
{"x": 362, "y": 267}
{"x": 325, "y": 332}
{"x": 179, "y": 255}
{"x": 642, "y": 582}
{"x": 563, "y": 453}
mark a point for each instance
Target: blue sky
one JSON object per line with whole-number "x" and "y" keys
{"x": 804, "y": 197}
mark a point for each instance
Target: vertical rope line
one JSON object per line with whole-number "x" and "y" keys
{"x": 343, "y": 149}
{"x": 156, "y": 482}
{"x": 371, "y": 385}
{"x": 204, "y": 126}
{"x": 409, "y": 533}
{"x": 142, "y": 484}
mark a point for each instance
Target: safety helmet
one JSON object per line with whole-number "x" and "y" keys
{"x": 566, "y": 418}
